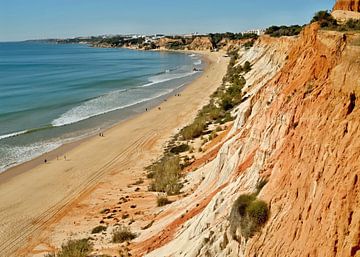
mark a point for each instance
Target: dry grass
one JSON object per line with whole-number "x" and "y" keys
{"x": 166, "y": 175}
{"x": 122, "y": 234}
{"x": 162, "y": 201}
{"x": 74, "y": 248}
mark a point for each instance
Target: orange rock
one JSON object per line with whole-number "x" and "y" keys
{"x": 347, "y": 5}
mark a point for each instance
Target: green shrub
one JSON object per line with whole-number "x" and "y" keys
{"x": 325, "y": 19}
{"x": 180, "y": 149}
{"x": 166, "y": 175}
{"x": 247, "y": 67}
{"x": 74, "y": 248}
{"x": 195, "y": 129}
{"x": 248, "y": 213}
{"x": 258, "y": 212}
{"x": 227, "y": 103}
{"x": 162, "y": 201}
{"x": 279, "y": 31}
{"x": 352, "y": 24}
{"x": 249, "y": 44}
{"x": 243, "y": 202}
{"x": 122, "y": 234}
{"x": 98, "y": 229}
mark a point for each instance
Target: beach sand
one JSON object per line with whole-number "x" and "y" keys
{"x": 41, "y": 204}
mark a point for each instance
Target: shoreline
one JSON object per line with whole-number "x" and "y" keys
{"x": 21, "y": 167}
{"x": 60, "y": 183}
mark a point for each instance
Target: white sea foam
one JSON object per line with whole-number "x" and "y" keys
{"x": 101, "y": 105}
{"x": 15, "y": 155}
{"x": 166, "y": 77}
{"x": 25, "y": 153}
{"x": 14, "y": 134}
{"x": 198, "y": 62}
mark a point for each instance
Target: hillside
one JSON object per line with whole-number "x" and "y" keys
{"x": 298, "y": 130}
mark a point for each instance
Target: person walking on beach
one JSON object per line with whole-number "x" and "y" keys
{"x": 45, "y": 161}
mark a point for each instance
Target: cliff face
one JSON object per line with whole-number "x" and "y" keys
{"x": 201, "y": 44}
{"x": 347, "y": 5}
{"x": 299, "y": 129}
{"x": 346, "y": 9}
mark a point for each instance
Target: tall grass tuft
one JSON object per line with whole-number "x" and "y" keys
{"x": 74, "y": 248}
{"x": 166, "y": 175}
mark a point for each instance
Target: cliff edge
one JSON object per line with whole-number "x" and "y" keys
{"x": 346, "y": 9}
{"x": 347, "y": 5}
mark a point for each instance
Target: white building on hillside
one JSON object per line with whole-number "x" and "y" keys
{"x": 258, "y": 32}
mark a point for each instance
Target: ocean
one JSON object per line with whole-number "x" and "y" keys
{"x": 51, "y": 94}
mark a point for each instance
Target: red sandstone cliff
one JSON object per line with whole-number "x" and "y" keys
{"x": 299, "y": 128}
{"x": 347, "y": 5}
{"x": 201, "y": 43}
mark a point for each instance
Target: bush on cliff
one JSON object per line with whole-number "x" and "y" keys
{"x": 280, "y": 31}
{"x": 74, "y": 248}
{"x": 248, "y": 213}
{"x": 179, "y": 149}
{"x": 166, "y": 175}
{"x": 162, "y": 201}
{"x": 98, "y": 229}
{"x": 325, "y": 19}
{"x": 122, "y": 234}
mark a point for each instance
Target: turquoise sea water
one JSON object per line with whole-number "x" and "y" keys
{"x": 51, "y": 94}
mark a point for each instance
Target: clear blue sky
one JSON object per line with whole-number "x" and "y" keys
{"x": 33, "y": 19}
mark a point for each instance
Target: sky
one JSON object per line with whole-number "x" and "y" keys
{"x": 38, "y": 19}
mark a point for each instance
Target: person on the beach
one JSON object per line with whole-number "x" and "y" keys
{"x": 65, "y": 157}
{"x": 45, "y": 161}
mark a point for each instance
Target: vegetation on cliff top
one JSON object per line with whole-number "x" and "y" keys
{"x": 216, "y": 38}
{"x": 327, "y": 21}
{"x": 279, "y": 31}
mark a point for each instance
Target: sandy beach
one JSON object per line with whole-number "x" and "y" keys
{"x": 36, "y": 197}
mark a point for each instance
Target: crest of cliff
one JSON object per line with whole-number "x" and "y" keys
{"x": 346, "y": 9}
{"x": 347, "y": 5}
{"x": 298, "y": 129}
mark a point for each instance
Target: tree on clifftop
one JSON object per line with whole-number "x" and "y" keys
{"x": 325, "y": 19}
